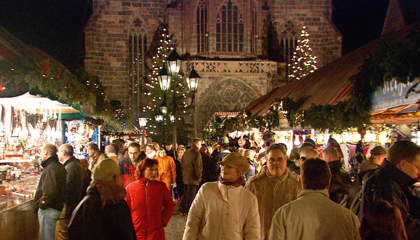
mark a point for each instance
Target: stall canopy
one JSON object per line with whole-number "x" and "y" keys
{"x": 12, "y": 48}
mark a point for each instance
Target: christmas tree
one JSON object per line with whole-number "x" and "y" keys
{"x": 303, "y": 61}
{"x": 174, "y": 99}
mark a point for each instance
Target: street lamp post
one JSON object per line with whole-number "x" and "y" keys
{"x": 174, "y": 63}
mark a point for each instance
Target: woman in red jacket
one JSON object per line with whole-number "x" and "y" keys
{"x": 149, "y": 201}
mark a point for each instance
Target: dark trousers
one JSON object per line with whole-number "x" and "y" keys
{"x": 189, "y": 194}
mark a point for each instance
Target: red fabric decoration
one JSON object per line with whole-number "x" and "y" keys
{"x": 44, "y": 66}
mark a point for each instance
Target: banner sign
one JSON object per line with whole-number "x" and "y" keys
{"x": 392, "y": 94}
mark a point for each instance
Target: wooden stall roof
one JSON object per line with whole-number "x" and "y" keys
{"x": 331, "y": 83}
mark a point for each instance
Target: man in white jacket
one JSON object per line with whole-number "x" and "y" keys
{"x": 313, "y": 215}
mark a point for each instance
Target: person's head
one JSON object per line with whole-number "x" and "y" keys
{"x": 150, "y": 148}
{"x": 232, "y": 166}
{"x": 315, "y": 174}
{"x": 168, "y": 146}
{"x": 306, "y": 153}
{"x": 147, "y": 168}
{"x": 156, "y": 145}
{"x": 276, "y": 160}
{"x": 309, "y": 140}
{"x": 330, "y": 154}
{"x": 224, "y": 146}
{"x": 111, "y": 148}
{"x": 65, "y": 152}
{"x": 196, "y": 142}
{"x": 180, "y": 151}
{"x": 161, "y": 153}
{"x": 294, "y": 154}
{"x": 134, "y": 152}
{"x": 107, "y": 170}
{"x": 405, "y": 155}
{"x": 92, "y": 149}
{"x": 48, "y": 150}
{"x": 382, "y": 221}
{"x": 377, "y": 155}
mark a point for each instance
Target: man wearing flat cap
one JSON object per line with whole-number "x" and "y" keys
{"x": 273, "y": 186}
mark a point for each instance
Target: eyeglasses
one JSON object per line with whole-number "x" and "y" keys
{"x": 276, "y": 160}
{"x": 416, "y": 167}
{"x": 151, "y": 170}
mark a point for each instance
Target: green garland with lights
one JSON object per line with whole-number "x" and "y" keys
{"x": 57, "y": 83}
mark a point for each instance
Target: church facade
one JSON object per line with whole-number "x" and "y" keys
{"x": 240, "y": 48}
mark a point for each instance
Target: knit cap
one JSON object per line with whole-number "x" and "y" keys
{"x": 106, "y": 170}
{"x": 236, "y": 160}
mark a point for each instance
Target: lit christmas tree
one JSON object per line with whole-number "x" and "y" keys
{"x": 175, "y": 100}
{"x": 303, "y": 61}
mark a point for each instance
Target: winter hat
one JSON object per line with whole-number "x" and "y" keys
{"x": 106, "y": 170}
{"x": 236, "y": 160}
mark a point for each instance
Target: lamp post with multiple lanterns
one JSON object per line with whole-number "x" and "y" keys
{"x": 169, "y": 72}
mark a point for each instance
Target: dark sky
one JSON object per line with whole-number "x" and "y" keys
{"x": 56, "y": 26}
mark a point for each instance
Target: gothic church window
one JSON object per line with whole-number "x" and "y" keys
{"x": 229, "y": 28}
{"x": 202, "y": 28}
{"x": 137, "y": 45}
{"x": 254, "y": 29}
{"x": 289, "y": 38}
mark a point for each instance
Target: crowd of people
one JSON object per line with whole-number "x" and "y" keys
{"x": 129, "y": 192}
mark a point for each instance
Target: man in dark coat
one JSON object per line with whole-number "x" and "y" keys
{"x": 392, "y": 182}
{"x": 50, "y": 193}
{"x": 77, "y": 183}
{"x": 341, "y": 183}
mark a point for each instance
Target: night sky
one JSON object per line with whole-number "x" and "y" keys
{"x": 56, "y": 26}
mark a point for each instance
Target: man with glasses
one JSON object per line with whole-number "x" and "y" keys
{"x": 392, "y": 182}
{"x": 273, "y": 186}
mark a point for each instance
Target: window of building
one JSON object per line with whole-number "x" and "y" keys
{"x": 254, "y": 29}
{"x": 202, "y": 35}
{"x": 229, "y": 29}
{"x": 289, "y": 38}
{"x": 137, "y": 54}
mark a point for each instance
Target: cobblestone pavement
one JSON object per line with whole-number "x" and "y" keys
{"x": 176, "y": 225}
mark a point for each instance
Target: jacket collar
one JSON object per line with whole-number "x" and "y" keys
{"x": 223, "y": 190}
{"x": 400, "y": 177}
{"x": 282, "y": 178}
{"x": 49, "y": 160}
{"x": 309, "y": 192}
{"x": 71, "y": 159}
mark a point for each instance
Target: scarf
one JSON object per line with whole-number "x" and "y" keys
{"x": 110, "y": 192}
{"x": 239, "y": 182}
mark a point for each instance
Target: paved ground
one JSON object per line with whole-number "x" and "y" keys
{"x": 176, "y": 225}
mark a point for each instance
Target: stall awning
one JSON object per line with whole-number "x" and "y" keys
{"x": 405, "y": 114}
{"x": 42, "y": 104}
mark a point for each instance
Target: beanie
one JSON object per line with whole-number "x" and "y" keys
{"x": 236, "y": 160}
{"x": 106, "y": 170}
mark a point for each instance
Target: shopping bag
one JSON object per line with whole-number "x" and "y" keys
{"x": 174, "y": 192}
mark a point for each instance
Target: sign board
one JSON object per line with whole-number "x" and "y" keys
{"x": 392, "y": 94}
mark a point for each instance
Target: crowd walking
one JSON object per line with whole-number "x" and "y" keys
{"x": 221, "y": 191}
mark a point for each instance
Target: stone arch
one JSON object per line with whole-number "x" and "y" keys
{"x": 229, "y": 95}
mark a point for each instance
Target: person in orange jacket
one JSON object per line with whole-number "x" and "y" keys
{"x": 167, "y": 169}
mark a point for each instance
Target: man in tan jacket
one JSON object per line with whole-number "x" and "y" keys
{"x": 274, "y": 186}
{"x": 192, "y": 169}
